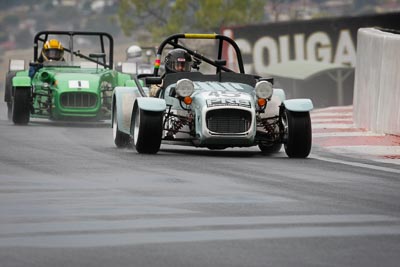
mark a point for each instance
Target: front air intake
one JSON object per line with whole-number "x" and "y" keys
{"x": 78, "y": 100}
{"x": 228, "y": 121}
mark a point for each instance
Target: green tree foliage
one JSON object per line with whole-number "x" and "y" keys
{"x": 165, "y": 17}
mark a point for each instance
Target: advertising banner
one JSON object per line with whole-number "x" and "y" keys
{"x": 330, "y": 41}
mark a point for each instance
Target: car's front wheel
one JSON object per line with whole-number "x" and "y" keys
{"x": 121, "y": 139}
{"x": 21, "y": 106}
{"x": 146, "y": 129}
{"x": 9, "y": 111}
{"x": 297, "y": 133}
{"x": 8, "y": 93}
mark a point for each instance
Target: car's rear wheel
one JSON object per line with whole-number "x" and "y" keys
{"x": 21, "y": 106}
{"x": 121, "y": 139}
{"x": 146, "y": 129}
{"x": 297, "y": 133}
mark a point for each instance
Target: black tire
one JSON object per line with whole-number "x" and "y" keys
{"x": 21, "y": 106}
{"x": 8, "y": 86}
{"x": 146, "y": 129}
{"x": 121, "y": 139}
{"x": 9, "y": 111}
{"x": 297, "y": 133}
{"x": 275, "y": 148}
{"x": 8, "y": 93}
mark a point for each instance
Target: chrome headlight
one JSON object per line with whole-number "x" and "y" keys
{"x": 184, "y": 87}
{"x": 264, "y": 89}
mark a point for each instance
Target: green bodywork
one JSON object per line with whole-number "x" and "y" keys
{"x": 76, "y": 86}
{"x": 68, "y": 92}
{"x": 21, "y": 80}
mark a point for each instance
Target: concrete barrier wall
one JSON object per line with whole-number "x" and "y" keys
{"x": 376, "y": 101}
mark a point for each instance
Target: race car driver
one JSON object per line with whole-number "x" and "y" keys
{"x": 177, "y": 60}
{"x": 52, "y": 51}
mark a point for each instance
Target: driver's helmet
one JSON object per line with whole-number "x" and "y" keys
{"x": 52, "y": 50}
{"x": 178, "y": 60}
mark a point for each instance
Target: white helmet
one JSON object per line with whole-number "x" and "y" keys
{"x": 133, "y": 51}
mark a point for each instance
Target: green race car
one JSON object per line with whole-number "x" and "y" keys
{"x": 77, "y": 87}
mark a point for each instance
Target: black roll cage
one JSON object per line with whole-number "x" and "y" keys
{"x": 173, "y": 41}
{"x": 44, "y": 35}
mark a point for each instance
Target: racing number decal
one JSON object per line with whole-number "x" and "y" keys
{"x": 224, "y": 94}
{"x": 78, "y": 84}
{"x": 225, "y": 98}
{"x": 228, "y": 102}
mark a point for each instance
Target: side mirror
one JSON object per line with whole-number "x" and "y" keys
{"x": 97, "y": 56}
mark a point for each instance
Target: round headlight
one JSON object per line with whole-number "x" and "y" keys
{"x": 184, "y": 87}
{"x": 264, "y": 89}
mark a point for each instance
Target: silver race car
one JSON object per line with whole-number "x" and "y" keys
{"x": 210, "y": 104}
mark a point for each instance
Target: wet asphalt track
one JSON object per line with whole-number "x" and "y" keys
{"x": 69, "y": 197}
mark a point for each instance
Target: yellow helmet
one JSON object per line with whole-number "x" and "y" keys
{"x": 53, "y": 50}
